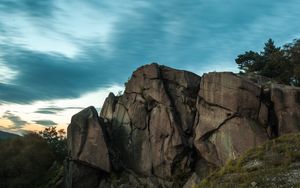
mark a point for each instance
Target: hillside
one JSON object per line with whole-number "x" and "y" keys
{"x": 6, "y": 135}
{"x": 274, "y": 164}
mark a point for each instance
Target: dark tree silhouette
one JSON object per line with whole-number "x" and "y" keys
{"x": 57, "y": 141}
{"x": 283, "y": 65}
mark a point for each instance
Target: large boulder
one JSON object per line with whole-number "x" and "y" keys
{"x": 229, "y": 117}
{"x": 152, "y": 120}
{"x": 87, "y": 140}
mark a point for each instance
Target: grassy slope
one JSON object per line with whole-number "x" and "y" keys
{"x": 275, "y": 164}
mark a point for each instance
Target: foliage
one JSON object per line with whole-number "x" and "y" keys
{"x": 33, "y": 160}
{"x": 57, "y": 141}
{"x": 54, "y": 177}
{"x": 24, "y": 160}
{"x": 281, "y": 64}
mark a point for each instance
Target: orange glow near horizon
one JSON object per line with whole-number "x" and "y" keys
{"x": 37, "y": 127}
{"x": 19, "y": 118}
{"x": 8, "y": 126}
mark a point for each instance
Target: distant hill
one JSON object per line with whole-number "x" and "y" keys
{"x": 6, "y": 135}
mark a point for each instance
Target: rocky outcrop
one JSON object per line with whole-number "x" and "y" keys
{"x": 152, "y": 121}
{"x": 229, "y": 117}
{"x": 87, "y": 149}
{"x": 169, "y": 124}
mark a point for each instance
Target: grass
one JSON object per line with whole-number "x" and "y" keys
{"x": 262, "y": 165}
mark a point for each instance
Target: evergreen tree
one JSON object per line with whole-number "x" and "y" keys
{"x": 250, "y": 62}
{"x": 292, "y": 52}
{"x": 273, "y": 62}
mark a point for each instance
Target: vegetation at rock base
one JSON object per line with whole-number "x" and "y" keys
{"x": 32, "y": 160}
{"x": 274, "y": 164}
{"x": 279, "y": 63}
{"x": 57, "y": 142}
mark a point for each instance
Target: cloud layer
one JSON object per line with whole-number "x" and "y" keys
{"x": 17, "y": 121}
{"x": 111, "y": 39}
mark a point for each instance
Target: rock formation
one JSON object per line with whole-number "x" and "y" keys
{"x": 152, "y": 121}
{"x": 229, "y": 118}
{"x": 87, "y": 149}
{"x": 170, "y": 123}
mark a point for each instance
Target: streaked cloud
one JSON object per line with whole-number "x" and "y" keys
{"x": 45, "y": 122}
{"x": 53, "y": 76}
{"x": 55, "y": 110}
{"x": 17, "y": 121}
{"x": 45, "y": 112}
{"x": 36, "y": 9}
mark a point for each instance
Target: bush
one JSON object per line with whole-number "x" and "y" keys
{"x": 24, "y": 160}
{"x": 57, "y": 142}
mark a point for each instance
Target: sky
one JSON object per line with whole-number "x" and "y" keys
{"x": 60, "y": 56}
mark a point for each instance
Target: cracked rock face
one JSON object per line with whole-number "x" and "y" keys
{"x": 171, "y": 121}
{"x": 87, "y": 140}
{"x": 228, "y": 117}
{"x": 88, "y": 158}
{"x": 153, "y": 119}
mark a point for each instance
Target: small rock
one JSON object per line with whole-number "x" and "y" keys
{"x": 133, "y": 180}
{"x": 253, "y": 184}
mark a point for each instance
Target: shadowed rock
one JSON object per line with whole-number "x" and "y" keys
{"x": 286, "y": 100}
{"x": 108, "y": 107}
{"x": 87, "y": 140}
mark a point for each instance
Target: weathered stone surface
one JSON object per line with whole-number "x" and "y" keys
{"x": 152, "y": 119}
{"x": 231, "y": 92}
{"x": 165, "y": 140}
{"x": 232, "y": 139}
{"x": 286, "y": 101}
{"x": 108, "y": 107}
{"x": 87, "y": 140}
{"x": 229, "y": 116}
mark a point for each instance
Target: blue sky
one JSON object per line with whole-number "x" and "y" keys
{"x": 59, "y": 56}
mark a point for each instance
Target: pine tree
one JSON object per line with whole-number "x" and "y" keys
{"x": 272, "y": 62}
